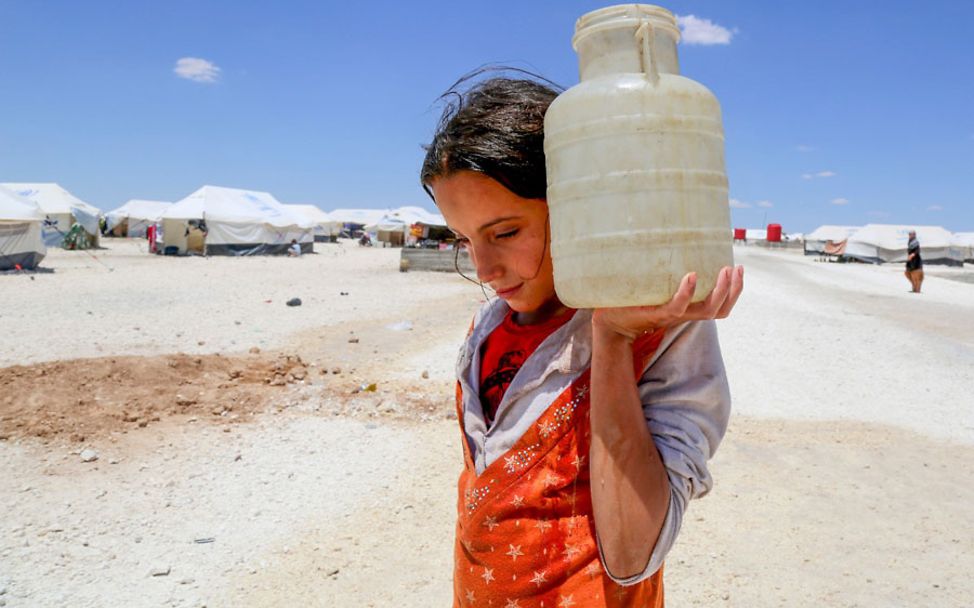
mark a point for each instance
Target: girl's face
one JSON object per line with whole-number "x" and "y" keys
{"x": 506, "y": 235}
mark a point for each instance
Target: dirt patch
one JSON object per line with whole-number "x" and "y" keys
{"x": 84, "y": 398}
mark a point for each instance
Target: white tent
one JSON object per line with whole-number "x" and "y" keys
{"x": 21, "y": 242}
{"x": 754, "y": 235}
{"x": 134, "y": 217}
{"x": 816, "y": 240}
{"x": 61, "y": 210}
{"x": 407, "y": 216}
{"x": 884, "y": 243}
{"x": 394, "y": 226}
{"x": 362, "y": 217}
{"x": 324, "y": 226}
{"x": 229, "y": 221}
{"x": 964, "y": 241}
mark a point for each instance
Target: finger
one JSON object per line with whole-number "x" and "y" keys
{"x": 736, "y": 288}
{"x": 678, "y": 304}
{"x": 710, "y": 306}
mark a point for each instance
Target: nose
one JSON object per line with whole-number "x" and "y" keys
{"x": 487, "y": 263}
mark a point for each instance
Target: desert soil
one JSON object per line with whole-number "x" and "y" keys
{"x": 171, "y": 434}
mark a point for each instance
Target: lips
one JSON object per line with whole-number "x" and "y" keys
{"x": 508, "y": 292}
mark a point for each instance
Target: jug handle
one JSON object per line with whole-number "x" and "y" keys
{"x": 646, "y": 34}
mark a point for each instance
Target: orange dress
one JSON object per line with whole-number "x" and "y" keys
{"x": 525, "y": 533}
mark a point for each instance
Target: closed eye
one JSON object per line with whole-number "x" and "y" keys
{"x": 508, "y": 234}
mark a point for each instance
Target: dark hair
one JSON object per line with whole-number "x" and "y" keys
{"x": 494, "y": 127}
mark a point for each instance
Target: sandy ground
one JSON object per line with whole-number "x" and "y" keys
{"x": 846, "y": 477}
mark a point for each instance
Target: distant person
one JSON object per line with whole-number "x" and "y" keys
{"x": 914, "y": 263}
{"x": 294, "y": 250}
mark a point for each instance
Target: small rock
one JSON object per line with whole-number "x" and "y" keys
{"x": 201, "y": 342}
{"x": 336, "y": 370}
{"x": 294, "y": 302}
{"x": 369, "y": 388}
{"x": 425, "y": 375}
{"x": 187, "y": 581}
{"x": 236, "y": 322}
{"x": 160, "y": 571}
{"x": 353, "y": 340}
{"x": 254, "y": 350}
{"x": 88, "y": 455}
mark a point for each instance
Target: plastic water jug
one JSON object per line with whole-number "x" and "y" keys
{"x": 637, "y": 190}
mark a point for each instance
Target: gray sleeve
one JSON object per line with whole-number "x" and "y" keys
{"x": 686, "y": 401}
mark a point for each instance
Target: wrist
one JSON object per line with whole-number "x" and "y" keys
{"x": 606, "y": 332}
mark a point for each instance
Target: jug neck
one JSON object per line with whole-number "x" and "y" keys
{"x": 628, "y": 38}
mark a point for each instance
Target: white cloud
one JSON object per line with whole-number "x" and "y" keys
{"x": 804, "y": 148}
{"x": 197, "y": 70}
{"x": 695, "y": 30}
{"x": 819, "y": 175}
{"x": 840, "y": 201}
{"x": 935, "y": 208}
{"x": 764, "y": 204}
{"x": 736, "y": 204}
{"x": 807, "y": 176}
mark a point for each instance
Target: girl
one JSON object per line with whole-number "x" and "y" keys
{"x": 585, "y": 432}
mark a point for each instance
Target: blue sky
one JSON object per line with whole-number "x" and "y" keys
{"x": 834, "y": 112}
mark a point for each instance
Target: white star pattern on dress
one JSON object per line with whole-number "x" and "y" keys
{"x": 515, "y": 552}
{"x": 551, "y": 481}
{"x": 578, "y": 461}
{"x": 470, "y": 596}
{"x": 490, "y": 522}
{"x": 546, "y": 428}
{"x": 512, "y": 604}
{"x": 488, "y": 575}
{"x": 566, "y": 601}
{"x": 510, "y": 463}
{"x": 571, "y": 551}
{"x": 540, "y": 577}
{"x": 542, "y": 525}
{"x": 517, "y": 501}
{"x": 593, "y": 569}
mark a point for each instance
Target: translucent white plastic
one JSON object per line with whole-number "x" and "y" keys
{"x": 637, "y": 189}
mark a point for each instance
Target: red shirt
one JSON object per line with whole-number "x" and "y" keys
{"x": 503, "y": 353}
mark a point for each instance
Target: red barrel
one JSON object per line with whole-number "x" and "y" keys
{"x": 774, "y": 233}
{"x": 740, "y": 234}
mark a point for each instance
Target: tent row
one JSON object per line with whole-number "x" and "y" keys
{"x": 212, "y": 220}
{"x": 885, "y": 243}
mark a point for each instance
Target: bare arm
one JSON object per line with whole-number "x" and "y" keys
{"x": 630, "y": 486}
